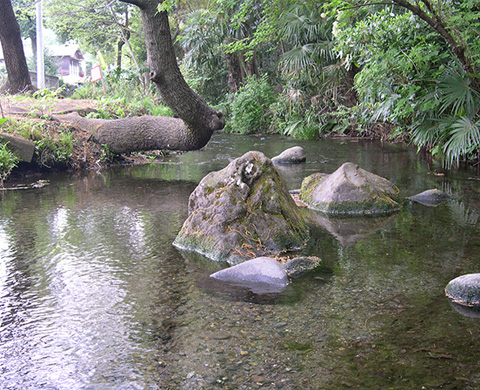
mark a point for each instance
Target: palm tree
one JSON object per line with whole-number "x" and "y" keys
{"x": 452, "y": 128}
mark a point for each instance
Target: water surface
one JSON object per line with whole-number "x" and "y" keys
{"x": 94, "y": 296}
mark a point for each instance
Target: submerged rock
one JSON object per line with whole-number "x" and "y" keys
{"x": 241, "y": 212}
{"x": 260, "y": 275}
{"x": 432, "y": 197}
{"x": 299, "y": 266}
{"x": 470, "y": 312}
{"x": 292, "y": 155}
{"x": 350, "y": 190}
{"x": 465, "y": 290}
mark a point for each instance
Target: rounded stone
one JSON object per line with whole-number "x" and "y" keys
{"x": 465, "y": 290}
{"x": 299, "y": 266}
{"x": 350, "y": 190}
{"x": 431, "y": 197}
{"x": 293, "y": 155}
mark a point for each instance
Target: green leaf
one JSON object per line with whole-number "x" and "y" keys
{"x": 456, "y": 94}
{"x": 464, "y": 139}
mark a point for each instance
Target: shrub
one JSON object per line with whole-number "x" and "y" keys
{"x": 250, "y": 107}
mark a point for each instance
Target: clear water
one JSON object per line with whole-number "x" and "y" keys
{"x": 94, "y": 296}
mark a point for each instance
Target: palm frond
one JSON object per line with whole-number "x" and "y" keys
{"x": 300, "y": 57}
{"x": 457, "y": 95}
{"x": 464, "y": 139}
{"x": 430, "y": 132}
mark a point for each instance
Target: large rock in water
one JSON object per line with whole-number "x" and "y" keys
{"x": 241, "y": 212}
{"x": 260, "y": 275}
{"x": 350, "y": 190}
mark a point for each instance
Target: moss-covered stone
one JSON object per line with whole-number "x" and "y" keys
{"x": 302, "y": 265}
{"x": 350, "y": 190}
{"x": 241, "y": 212}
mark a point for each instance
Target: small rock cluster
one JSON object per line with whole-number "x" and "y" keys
{"x": 243, "y": 215}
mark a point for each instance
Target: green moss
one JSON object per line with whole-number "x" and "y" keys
{"x": 369, "y": 207}
{"x": 308, "y": 186}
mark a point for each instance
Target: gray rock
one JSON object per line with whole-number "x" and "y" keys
{"x": 21, "y": 147}
{"x": 299, "y": 266}
{"x": 432, "y": 197}
{"x": 260, "y": 275}
{"x": 465, "y": 290}
{"x": 241, "y": 212}
{"x": 350, "y": 190}
{"x": 292, "y": 155}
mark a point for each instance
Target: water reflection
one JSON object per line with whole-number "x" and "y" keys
{"x": 349, "y": 230}
{"x": 94, "y": 296}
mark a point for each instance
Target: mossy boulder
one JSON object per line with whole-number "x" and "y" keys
{"x": 241, "y": 212}
{"x": 465, "y": 290}
{"x": 350, "y": 190}
{"x": 21, "y": 147}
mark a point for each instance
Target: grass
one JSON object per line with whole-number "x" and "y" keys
{"x": 53, "y": 144}
{"x": 8, "y": 161}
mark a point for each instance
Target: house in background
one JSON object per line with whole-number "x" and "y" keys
{"x": 68, "y": 58}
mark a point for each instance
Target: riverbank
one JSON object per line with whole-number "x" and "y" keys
{"x": 60, "y": 146}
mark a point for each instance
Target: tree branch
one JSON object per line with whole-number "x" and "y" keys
{"x": 139, "y": 3}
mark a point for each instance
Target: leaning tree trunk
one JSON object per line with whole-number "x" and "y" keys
{"x": 18, "y": 77}
{"x": 197, "y": 120}
{"x": 142, "y": 133}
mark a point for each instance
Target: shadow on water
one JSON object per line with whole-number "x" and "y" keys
{"x": 94, "y": 296}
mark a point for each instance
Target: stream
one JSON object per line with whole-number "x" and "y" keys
{"x": 94, "y": 296}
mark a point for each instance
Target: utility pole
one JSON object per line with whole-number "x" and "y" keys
{"x": 40, "y": 59}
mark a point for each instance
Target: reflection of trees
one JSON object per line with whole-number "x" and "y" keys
{"x": 89, "y": 268}
{"x": 20, "y": 232}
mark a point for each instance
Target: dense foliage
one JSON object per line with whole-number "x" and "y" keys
{"x": 406, "y": 69}
{"x": 398, "y": 69}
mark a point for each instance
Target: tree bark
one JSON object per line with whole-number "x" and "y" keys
{"x": 351, "y": 98}
{"x": 120, "y": 44}
{"x": 137, "y": 134}
{"x": 200, "y": 119}
{"x": 234, "y": 79}
{"x": 18, "y": 77}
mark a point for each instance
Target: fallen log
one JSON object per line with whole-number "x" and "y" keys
{"x": 142, "y": 133}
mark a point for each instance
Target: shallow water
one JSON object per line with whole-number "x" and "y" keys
{"x": 94, "y": 296}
